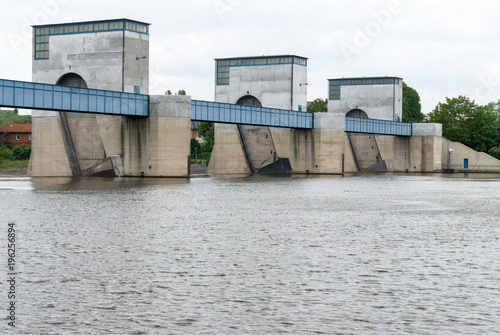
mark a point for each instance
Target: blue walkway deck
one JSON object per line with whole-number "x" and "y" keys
{"x": 249, "y": 115}
{"x": 380, "y": 127}
{"x": 20, "y": 94}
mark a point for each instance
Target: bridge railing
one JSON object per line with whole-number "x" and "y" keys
{"x": 249, "y": 115}
{"x": 382, "y": 127}
{"x": 20, "y": 94}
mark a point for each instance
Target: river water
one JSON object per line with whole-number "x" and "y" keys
{"x": 361, "y": 254}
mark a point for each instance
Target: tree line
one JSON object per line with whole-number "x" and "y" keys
{"x": 12, "y": 116}
{"x": 464, "y": 121}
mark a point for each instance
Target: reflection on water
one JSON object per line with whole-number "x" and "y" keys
{"x": 96, "y": 183}
{"x": 361, "y": 254}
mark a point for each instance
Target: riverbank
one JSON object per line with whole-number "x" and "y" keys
{"x": 198, "y": 169}
{"x": 14, "y": 172}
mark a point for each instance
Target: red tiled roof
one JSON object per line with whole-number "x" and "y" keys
{"x": 16, "y": 128}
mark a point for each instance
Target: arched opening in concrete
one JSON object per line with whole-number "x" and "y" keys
{"x": 249, "y": 100}
{"x": 72, "y": 80}
{"x": 357, "y": 113}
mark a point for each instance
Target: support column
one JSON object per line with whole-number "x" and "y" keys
{"x": 158, "y": 146}
{"x": 48, "y": 152}
{"x": 425, "y": 147}
{"x": 228, "y": 156}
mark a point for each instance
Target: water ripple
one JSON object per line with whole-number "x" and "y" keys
{"x": 415, "y": 254}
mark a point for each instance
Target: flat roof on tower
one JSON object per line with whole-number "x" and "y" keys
{"x": 224, "y": 64}
{"x": 43, "y": 32}
{"x": 91, "y": 27}
{"x": 263, "y": 56}
{"x": 366, "y": 78}
{"x": 87, "y": 22}
{"x": 334, "y": 85}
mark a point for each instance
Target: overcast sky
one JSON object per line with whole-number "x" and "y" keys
{"x": 442, "y": 48}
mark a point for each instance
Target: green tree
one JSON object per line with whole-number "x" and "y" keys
{"x": 482, "y": 129}
{"x": 412, "y": 109}
{"x": 179, "y": 92}
{"x": 8, "y": 116}
{"x": 207, "y": 131}
{"x": 495, "y": 152}
{"x": 468, "y": 123}
{"x": 318, "y": 106}
{"x": 495, "y": 107}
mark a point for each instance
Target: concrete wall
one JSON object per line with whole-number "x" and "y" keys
{"x": 259, "y": 145}
{"x": 102, "y": 59}
{"x": 327, "y": 149}
{"x": 425, "y": 154}
{"x": 419, "y": 153}
{"x": 275, "y": 86}
{"x": 227, "y": 156}
{"x": 378, "y": 101}
{"x": 310, "y": 151}
{"x": 48, "y": 154}
{"x": 400, "y": 154}
{"x": 365, "y": 149}
{"x": 316, "y": 151}
{"x": 395, "y": 149}
{"x": 425, "y": 144}
{"x": 477, "y": 161}
{"x": 159, "y": 146}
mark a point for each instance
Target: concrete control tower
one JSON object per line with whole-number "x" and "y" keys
{"x": 265, "y": 81}
{"x": 109, "y": 55}
{"x": 368, "y": 97}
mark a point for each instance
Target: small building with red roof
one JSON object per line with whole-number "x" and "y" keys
{"x": 15, "y": 134}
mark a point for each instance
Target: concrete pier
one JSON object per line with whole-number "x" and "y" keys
{"x": 159, "y": 145}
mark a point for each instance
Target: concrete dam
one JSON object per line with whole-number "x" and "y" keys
{"x": 92, "y": 114}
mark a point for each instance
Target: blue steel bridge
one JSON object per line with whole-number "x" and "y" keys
{"x": 20, "y": 94}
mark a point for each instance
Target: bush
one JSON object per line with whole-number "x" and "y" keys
{"x": 199, "y": 162}
{"x": 21, "y": 153}
{"x": 6, "y": 154}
